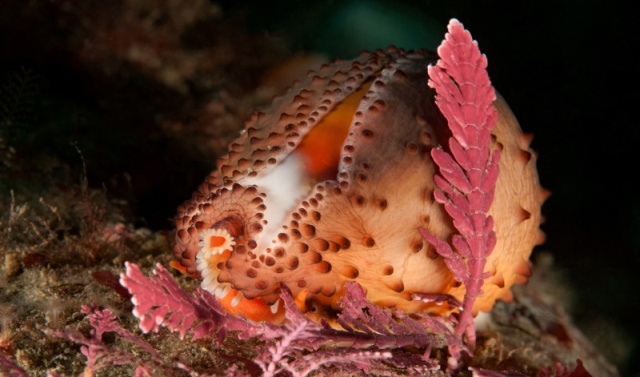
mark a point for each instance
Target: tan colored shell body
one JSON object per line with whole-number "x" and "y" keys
{"x": 363, "y": 225}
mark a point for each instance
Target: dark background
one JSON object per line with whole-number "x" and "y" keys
{"x": 565, "y": 67}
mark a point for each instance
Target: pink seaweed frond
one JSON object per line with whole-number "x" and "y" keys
{"x": 9, "y": 368}
{"x": 300, "y": 346}
{"x": 159, "y": 301}
{"x": 101, "y": 355}
{"x": 468, "y": 173}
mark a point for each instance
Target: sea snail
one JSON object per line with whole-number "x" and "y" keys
{"x": 332, "y": 184}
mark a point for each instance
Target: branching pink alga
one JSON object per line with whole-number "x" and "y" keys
{"x": 300, "y": 345}
{"x": 468, "y": 173}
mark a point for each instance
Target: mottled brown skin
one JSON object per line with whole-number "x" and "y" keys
{"x": 363, "y": 225}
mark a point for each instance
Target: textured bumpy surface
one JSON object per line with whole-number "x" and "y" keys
{"x": 363, "y": 225}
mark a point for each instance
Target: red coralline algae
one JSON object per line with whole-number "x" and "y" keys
{"x": 469, "y": 172}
